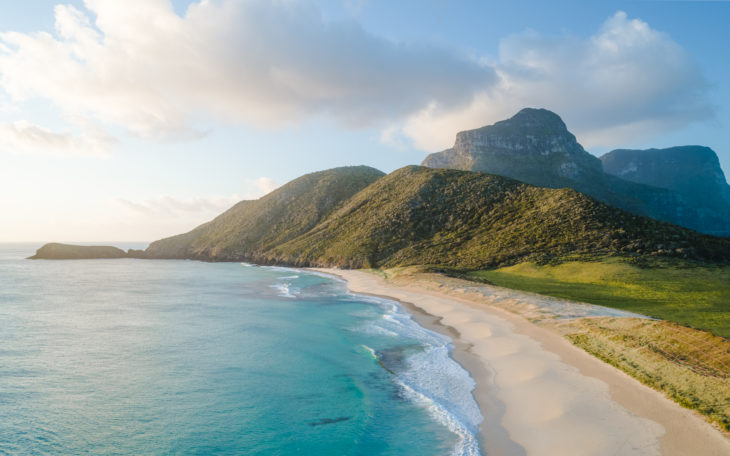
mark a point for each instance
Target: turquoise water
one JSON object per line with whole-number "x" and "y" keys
{"x": 182, "y": 357}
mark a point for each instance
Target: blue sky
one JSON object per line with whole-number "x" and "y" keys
{"x": 140, "y": 119}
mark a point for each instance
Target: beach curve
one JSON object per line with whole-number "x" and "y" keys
{"x": 550, "y": 397}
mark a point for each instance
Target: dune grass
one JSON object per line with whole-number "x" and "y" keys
{"x": 691, "y": 367}
{"x": 698, "y": 297}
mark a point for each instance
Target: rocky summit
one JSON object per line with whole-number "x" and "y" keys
{"x": 536, "y": 147}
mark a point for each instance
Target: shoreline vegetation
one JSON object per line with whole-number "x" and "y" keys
{"x": 693, "y": 295}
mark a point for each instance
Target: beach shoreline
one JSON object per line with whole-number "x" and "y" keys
{"x": 538, "y": 393}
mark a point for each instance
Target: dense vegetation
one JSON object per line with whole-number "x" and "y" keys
{"x": 695, "y": 296}
{"x": 250, "y": 228}
{"x": 438, "y": 217}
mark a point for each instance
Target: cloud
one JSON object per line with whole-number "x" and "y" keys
{"x": 138, "y": 64}
{"x": 626, "y": 82}
{"x": 169, "y": 206}
{"x": 25, "y": 137}
{"x": 200, "y": 209}
{"x": 259, "y": 187}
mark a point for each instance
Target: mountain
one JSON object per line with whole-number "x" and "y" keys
{"x": 352, "y": 217}
{"x": 535, "y": 146}
{"x": 250, "y": 228}
{"x": 693, "y": 172}
{"x": 56, "y": 251}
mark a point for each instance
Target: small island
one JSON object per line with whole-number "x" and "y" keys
{"x": 56, "y": 251}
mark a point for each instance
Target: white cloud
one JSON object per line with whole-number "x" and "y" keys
{"x": 138, "y": 64}
{"x": 199, "y": 209}
{"x": 25, "y": 137}
{"x": 169, "y": 206}
{"x": 7, "y": 107}
{"x": 626, "y": 82}
{"x": 257, "y": 188}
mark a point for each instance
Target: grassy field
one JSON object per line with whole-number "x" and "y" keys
{"x": 694, "y": 296}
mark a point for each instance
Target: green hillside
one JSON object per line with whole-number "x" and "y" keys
{"x": 436, "y": 217}
{"x": 250, "y": 228}
{"x": 468, "y": 220}
{"x": 353, "y": 217}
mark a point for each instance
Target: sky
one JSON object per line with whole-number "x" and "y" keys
{"x": 137, "y": 120}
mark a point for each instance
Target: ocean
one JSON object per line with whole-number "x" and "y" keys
{"x": 152, "y": 357}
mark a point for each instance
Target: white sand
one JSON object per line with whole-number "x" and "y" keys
{"x": 550, "y": 397}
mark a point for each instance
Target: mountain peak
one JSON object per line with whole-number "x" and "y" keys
{"x": 530, "y": 117}
{"x": 683, "y": 185}
{"x": 534, "y": 145}
{"x": 528, "y": 121}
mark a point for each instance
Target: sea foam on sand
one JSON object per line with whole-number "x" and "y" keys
{"x": 432, "y": 378}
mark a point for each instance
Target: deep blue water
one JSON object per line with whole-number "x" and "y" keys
{"x": 182, "y": 357}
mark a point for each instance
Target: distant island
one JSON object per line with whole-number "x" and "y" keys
{"x": 57, "y": 251}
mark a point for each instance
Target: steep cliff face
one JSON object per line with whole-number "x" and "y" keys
{"x": 536, "y": 147}
{"x": 692, "y": 171}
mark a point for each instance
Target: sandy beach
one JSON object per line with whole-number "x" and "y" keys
{"x": 539, "y": 394}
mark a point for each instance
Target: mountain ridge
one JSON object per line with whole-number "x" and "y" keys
{"x": 454, "y": 219}
{"x": 252, "y": 227}
{"x": 535, "y": 146}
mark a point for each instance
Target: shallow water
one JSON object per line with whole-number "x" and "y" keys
{"x": 181, "y": 357}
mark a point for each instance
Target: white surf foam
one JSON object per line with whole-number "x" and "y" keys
{"x": 285, "y": 290}
{"x": 432, "y": 378}
{"x": 371, "y": 351}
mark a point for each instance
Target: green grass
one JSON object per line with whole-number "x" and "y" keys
{"x": 694, "y": 296}
{"x": 687, "y": 365}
